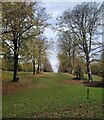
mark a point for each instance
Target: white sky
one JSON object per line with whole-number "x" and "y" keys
{"x": 55, "y": 9}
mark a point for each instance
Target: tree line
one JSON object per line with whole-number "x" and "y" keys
{"x": 23, "y": 42}
{"x": 24, "y": 46}
{"x": 79, "y": 37}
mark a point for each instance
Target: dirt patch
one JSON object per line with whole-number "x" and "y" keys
{"x": 14, "y": 87}
{"x": 99, "y": 84}
{"x": 10, "y": 88}
{"x": 72, "y": 81}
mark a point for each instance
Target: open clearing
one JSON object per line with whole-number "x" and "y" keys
{"x": 51, "y": 95}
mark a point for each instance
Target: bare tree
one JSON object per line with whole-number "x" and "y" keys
{"x": 82, "y": 23}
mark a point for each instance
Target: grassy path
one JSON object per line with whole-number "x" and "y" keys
{"x": 52, "y": 95}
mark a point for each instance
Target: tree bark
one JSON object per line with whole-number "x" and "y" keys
{"x": 38, "y": 68}
{"x": 89, "y": 71}
{"x": 15, "y": 67}
{"x": 102, "y": 66}
{"x": 73, "y": 60}
{"x": 33, "y": 67}
{"x": 15, "y": 79}
{"x": 40, "y": 64}
{"x": 69, "y": 62}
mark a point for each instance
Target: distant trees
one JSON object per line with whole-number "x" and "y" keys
{"x": 67, "y": 54}
{"x": 97, "y": 66}
{"x": 20, "y": 21}
{"x": 63, "y": 62}
{"x": 35, "y": 52}
{"x": 47, "y": 66}
{"x": 81, "y": 25}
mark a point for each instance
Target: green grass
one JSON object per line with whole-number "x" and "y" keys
{"x": 95, "y": 77}
{"x": 50, "y": 96}
{"x": 8, "y": 75}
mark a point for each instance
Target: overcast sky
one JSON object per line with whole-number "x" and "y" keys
{"x": 56, "y": 9}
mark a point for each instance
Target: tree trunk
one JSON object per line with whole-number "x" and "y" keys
{"x": 33, "y": 67}
{"x": 69, "y": 63}
{"x": 102, "y": 66}
{"x": 73, "y": 61}
{"x": 15, "y": 79}
{"x": 38, "y": 68}
{"x": 89, "y": 71}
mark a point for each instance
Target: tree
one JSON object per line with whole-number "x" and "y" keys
{"x": 30, "y": 52}
{"x": 68, "y": 52}
{"x": 19, "y": 22}
{"x": 63, "y": 62}
{"x": 81, "y": 25}
{"x": 35, "y": 51}
{"x": 42, "y": 46}
{"x": 7, "y": 60}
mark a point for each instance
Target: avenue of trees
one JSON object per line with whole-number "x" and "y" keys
{"x": 80, "y": 37}
{"x": 23, "y": 43}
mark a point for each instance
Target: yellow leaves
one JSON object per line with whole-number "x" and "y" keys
{"x": 5, "y": 75}
{"x": 36, "y": 32}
